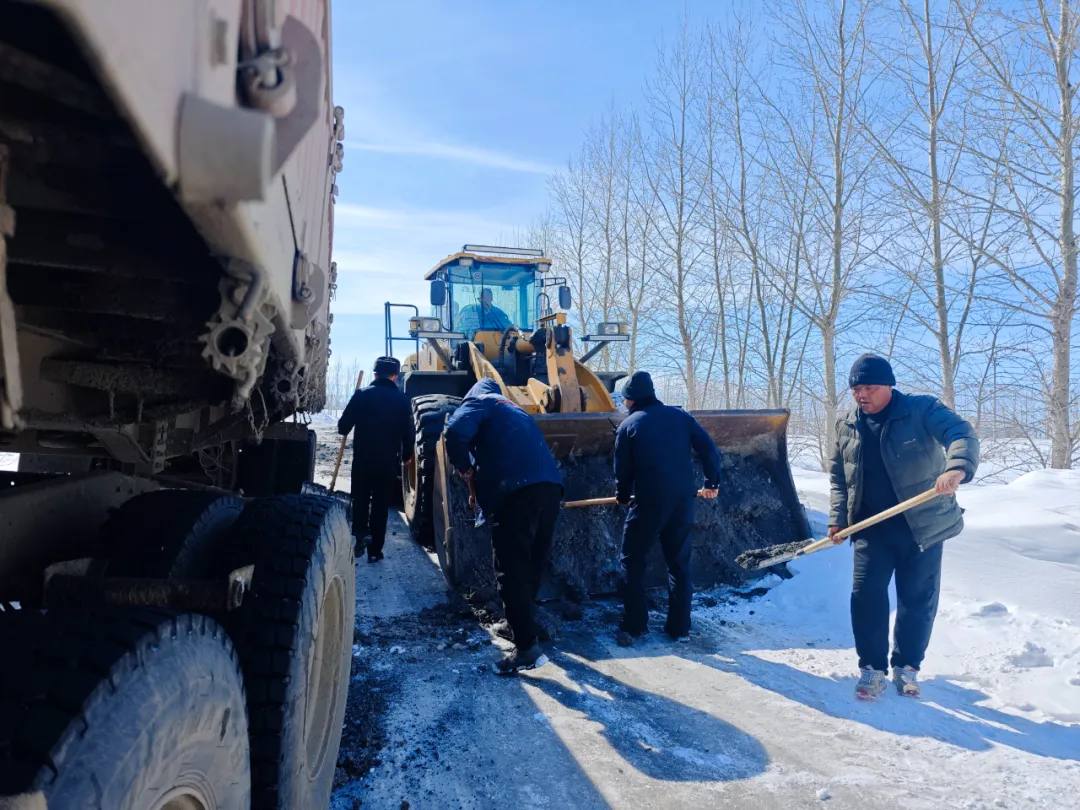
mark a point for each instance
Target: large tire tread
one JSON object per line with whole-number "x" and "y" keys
{"x": 429, "y": 418}
{"x": 285, "y": 538}
{"x": 63, "y": 669}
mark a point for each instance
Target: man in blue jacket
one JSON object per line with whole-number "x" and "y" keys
{"x": 384, "y": 436}
{"x": 653, "y": 464}
{"x": 495, "y": 444}
{"x": 890, "y": 447}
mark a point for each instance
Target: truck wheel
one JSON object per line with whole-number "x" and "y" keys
{"x": 169, "y": 533}
{"x": 122, "y": 710}
{"x": 429, "y": 417}
{"x": 294, "y": 634}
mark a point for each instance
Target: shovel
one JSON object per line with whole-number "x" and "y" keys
{"x": 478, "y": 513}
{"x": 756, "y": 559}
{"x": 609, "y": 501}
{"x": 345, "y": 438}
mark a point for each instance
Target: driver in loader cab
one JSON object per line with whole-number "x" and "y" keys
{"x": 482, "y": 316}
{"x": 498, "y": 447}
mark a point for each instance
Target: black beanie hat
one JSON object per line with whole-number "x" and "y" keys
{"x": 387, "y": 366}
{"x": 871, "y": 369}
{"x": 639, "y": 387}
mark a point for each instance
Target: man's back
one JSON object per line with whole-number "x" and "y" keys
{"x": 653, "y": 453}
{"x": 508, "y": 448}
{"x": 383, "y": 421}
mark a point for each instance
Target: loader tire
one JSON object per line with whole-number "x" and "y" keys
{"x": 294, "y": 634}
{"x": 169, "y": 533}
{"x": 429, "y": 418}
{"x": 464, "y": 551}
{"x": 121, "y": 709}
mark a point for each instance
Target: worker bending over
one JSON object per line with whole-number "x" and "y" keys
{"x": 384, "y": 436}
{"x": 889, "y": 448}
{"x": 498, "y": 447}
{"x": 653, "y": 464}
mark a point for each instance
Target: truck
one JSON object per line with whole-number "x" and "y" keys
{"x": 176, "y": 611}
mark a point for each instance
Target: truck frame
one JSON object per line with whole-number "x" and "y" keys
{"x": 175, "y": 610}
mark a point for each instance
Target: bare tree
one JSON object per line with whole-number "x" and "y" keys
{"x": 923, "y": 147}
{"x": 569, "y": 189}
{"x": 671, "y": 154}
{"x": 828, "y": 48}
{"x": 1026, "y": 96}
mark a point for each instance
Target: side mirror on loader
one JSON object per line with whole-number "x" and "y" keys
{"x": 438, "y": 292}
{"x": 564, "y": 297}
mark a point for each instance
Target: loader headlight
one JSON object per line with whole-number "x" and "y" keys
{"x": 608, "y": 328}
{"x": 424, "y": 325}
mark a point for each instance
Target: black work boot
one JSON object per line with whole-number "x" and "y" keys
{"x": 521, "y": 659}
{"x": 624, "y": 638}
{"x": 374, "y": 556}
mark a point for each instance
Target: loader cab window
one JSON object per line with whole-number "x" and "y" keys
{"x": 491, "y": 297}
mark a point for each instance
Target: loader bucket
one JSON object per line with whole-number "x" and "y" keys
{"x": 757, "y": 506}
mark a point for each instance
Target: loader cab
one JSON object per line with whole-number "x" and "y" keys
{"x": 485, "y": 296}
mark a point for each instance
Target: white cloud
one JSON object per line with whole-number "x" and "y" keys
{"x": 452, "y": 152}
{"x": 383, "y": 253}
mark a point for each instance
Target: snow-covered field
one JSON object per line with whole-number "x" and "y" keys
{"x": 757, "y": 711}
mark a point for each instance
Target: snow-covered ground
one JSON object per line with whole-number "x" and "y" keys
{"x": 757, "y": 711}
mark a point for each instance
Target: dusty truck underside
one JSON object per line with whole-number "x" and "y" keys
{"x": 166, "y": 189}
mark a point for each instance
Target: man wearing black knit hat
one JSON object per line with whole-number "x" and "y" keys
{"x": 890, "y": 447}
{"x": 654, "y": 450}
{"x": 384, "y": 436}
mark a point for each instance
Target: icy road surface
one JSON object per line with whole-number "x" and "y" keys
{"x": 757, "y": 711}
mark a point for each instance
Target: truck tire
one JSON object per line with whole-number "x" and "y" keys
{"x": 294, "y": 634}
{"x": 169, "y": 533}
{"x": 429, "y": 418}
{"x": 121, "y": 710}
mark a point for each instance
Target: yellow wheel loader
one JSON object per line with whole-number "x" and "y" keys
{"x": 500, "y": 313}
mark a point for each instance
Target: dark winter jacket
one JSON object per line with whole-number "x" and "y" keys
{"x": 491, "y": 435}
{"x": 384, "y": 428}
{"x": 653, "y": 449}
{"x": 915, "y": 431}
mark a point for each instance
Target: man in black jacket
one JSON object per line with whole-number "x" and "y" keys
{"x": 495, "y": 444}
{"x": 653, "y": 463}
{"x": 384, "y": 436}
{"x": 890, "y": 447}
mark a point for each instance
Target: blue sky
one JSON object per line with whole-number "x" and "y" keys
{"x": 455, "y": 115}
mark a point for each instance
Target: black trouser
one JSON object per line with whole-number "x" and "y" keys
{"x": 371, "y": 504}
{"x": 672, "y": 522}
{"x": 521, "y": 532}
{"x": 918, "y": 582}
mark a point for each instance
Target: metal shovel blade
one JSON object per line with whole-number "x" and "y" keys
{"x": 759, "y": 558}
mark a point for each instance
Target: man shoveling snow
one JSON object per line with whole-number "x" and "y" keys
{"x": 889, "y": 447}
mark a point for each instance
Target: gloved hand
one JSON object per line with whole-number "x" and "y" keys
{"x": 622, "y": 500}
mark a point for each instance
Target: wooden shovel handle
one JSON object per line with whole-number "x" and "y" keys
{"x": 590, "y": 502}
{"x": 345, "y": 438}
{"x": 892, "y": 511}
{"x": 609, "y": 501}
